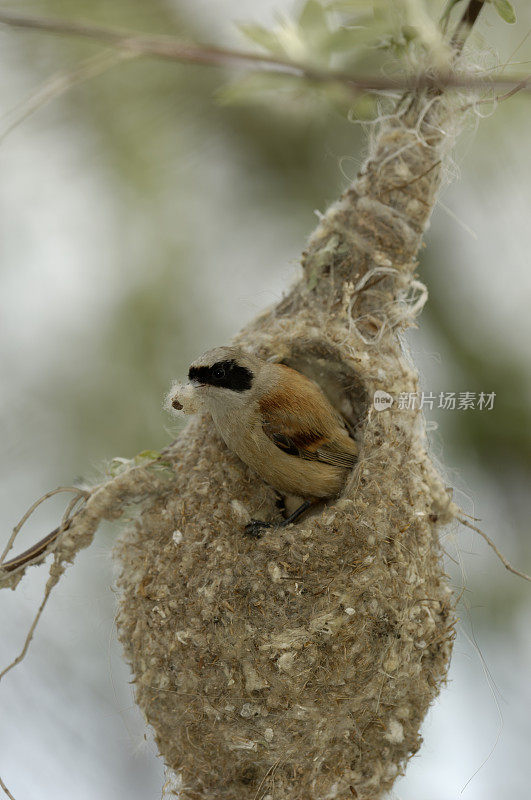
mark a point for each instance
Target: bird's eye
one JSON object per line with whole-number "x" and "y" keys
{"x": 219, "y": 373}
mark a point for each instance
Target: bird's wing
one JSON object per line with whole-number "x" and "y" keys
{"x": 298, "y": 418}
{"x": 339, "y": 452}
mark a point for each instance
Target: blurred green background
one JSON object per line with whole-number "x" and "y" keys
{"x": 142, "y": 221}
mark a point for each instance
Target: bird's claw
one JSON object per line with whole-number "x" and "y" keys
{"x": 255, "y": 528}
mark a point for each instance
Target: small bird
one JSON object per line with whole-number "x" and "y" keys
{"x": 277, "y": 420}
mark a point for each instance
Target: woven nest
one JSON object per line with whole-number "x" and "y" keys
{"x": 301, "y": 665}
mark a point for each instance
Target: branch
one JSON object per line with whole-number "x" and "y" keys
{"x": 491, "y": 544}
{"x": 43, "y": 545}
{"x": 171, "y": 49}
{"x": 466, "y": 23}
{"x": 60, "y": 83}
{"x": 6, "y": 790}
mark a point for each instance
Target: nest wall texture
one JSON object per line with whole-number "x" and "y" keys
{"x": 301, "y": 665}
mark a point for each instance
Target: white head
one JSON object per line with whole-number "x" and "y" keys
{"x": 221, "y": 380}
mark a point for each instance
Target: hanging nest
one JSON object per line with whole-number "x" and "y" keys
{"x": 302, "y": 665}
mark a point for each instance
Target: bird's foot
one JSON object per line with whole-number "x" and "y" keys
{"x": 255, "y": 528}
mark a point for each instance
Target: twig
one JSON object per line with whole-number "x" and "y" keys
{"x": 60, "y": 83}
{"x": 36, "y": 550}
{"x": 518, "y": 88}
{"x": 169, "y": 48}
{"x": 16, "y": 530}
{"x": 489, "y": 541}
{"x": 43, "y": 546}
{"x": 466, "y": 23}
{"x": 6, "y": 790}
{"x": 52, "y": 580}
{"x": 499, "y": 98}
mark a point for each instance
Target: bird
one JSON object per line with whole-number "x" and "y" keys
{"x": 276, "y": 420}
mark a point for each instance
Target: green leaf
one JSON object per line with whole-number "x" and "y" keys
{"x": 151, "y": 455}
{"x": 357, "y": 6}
{"x": 118, "y": 465}
{"x": 313, "y": 29}
{"x": 264, "y": 38}
{"x": 505, "y": 10}
{"x": 312, "y": 18}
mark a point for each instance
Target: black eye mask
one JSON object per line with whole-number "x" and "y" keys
{"x": 225, "y": 374}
